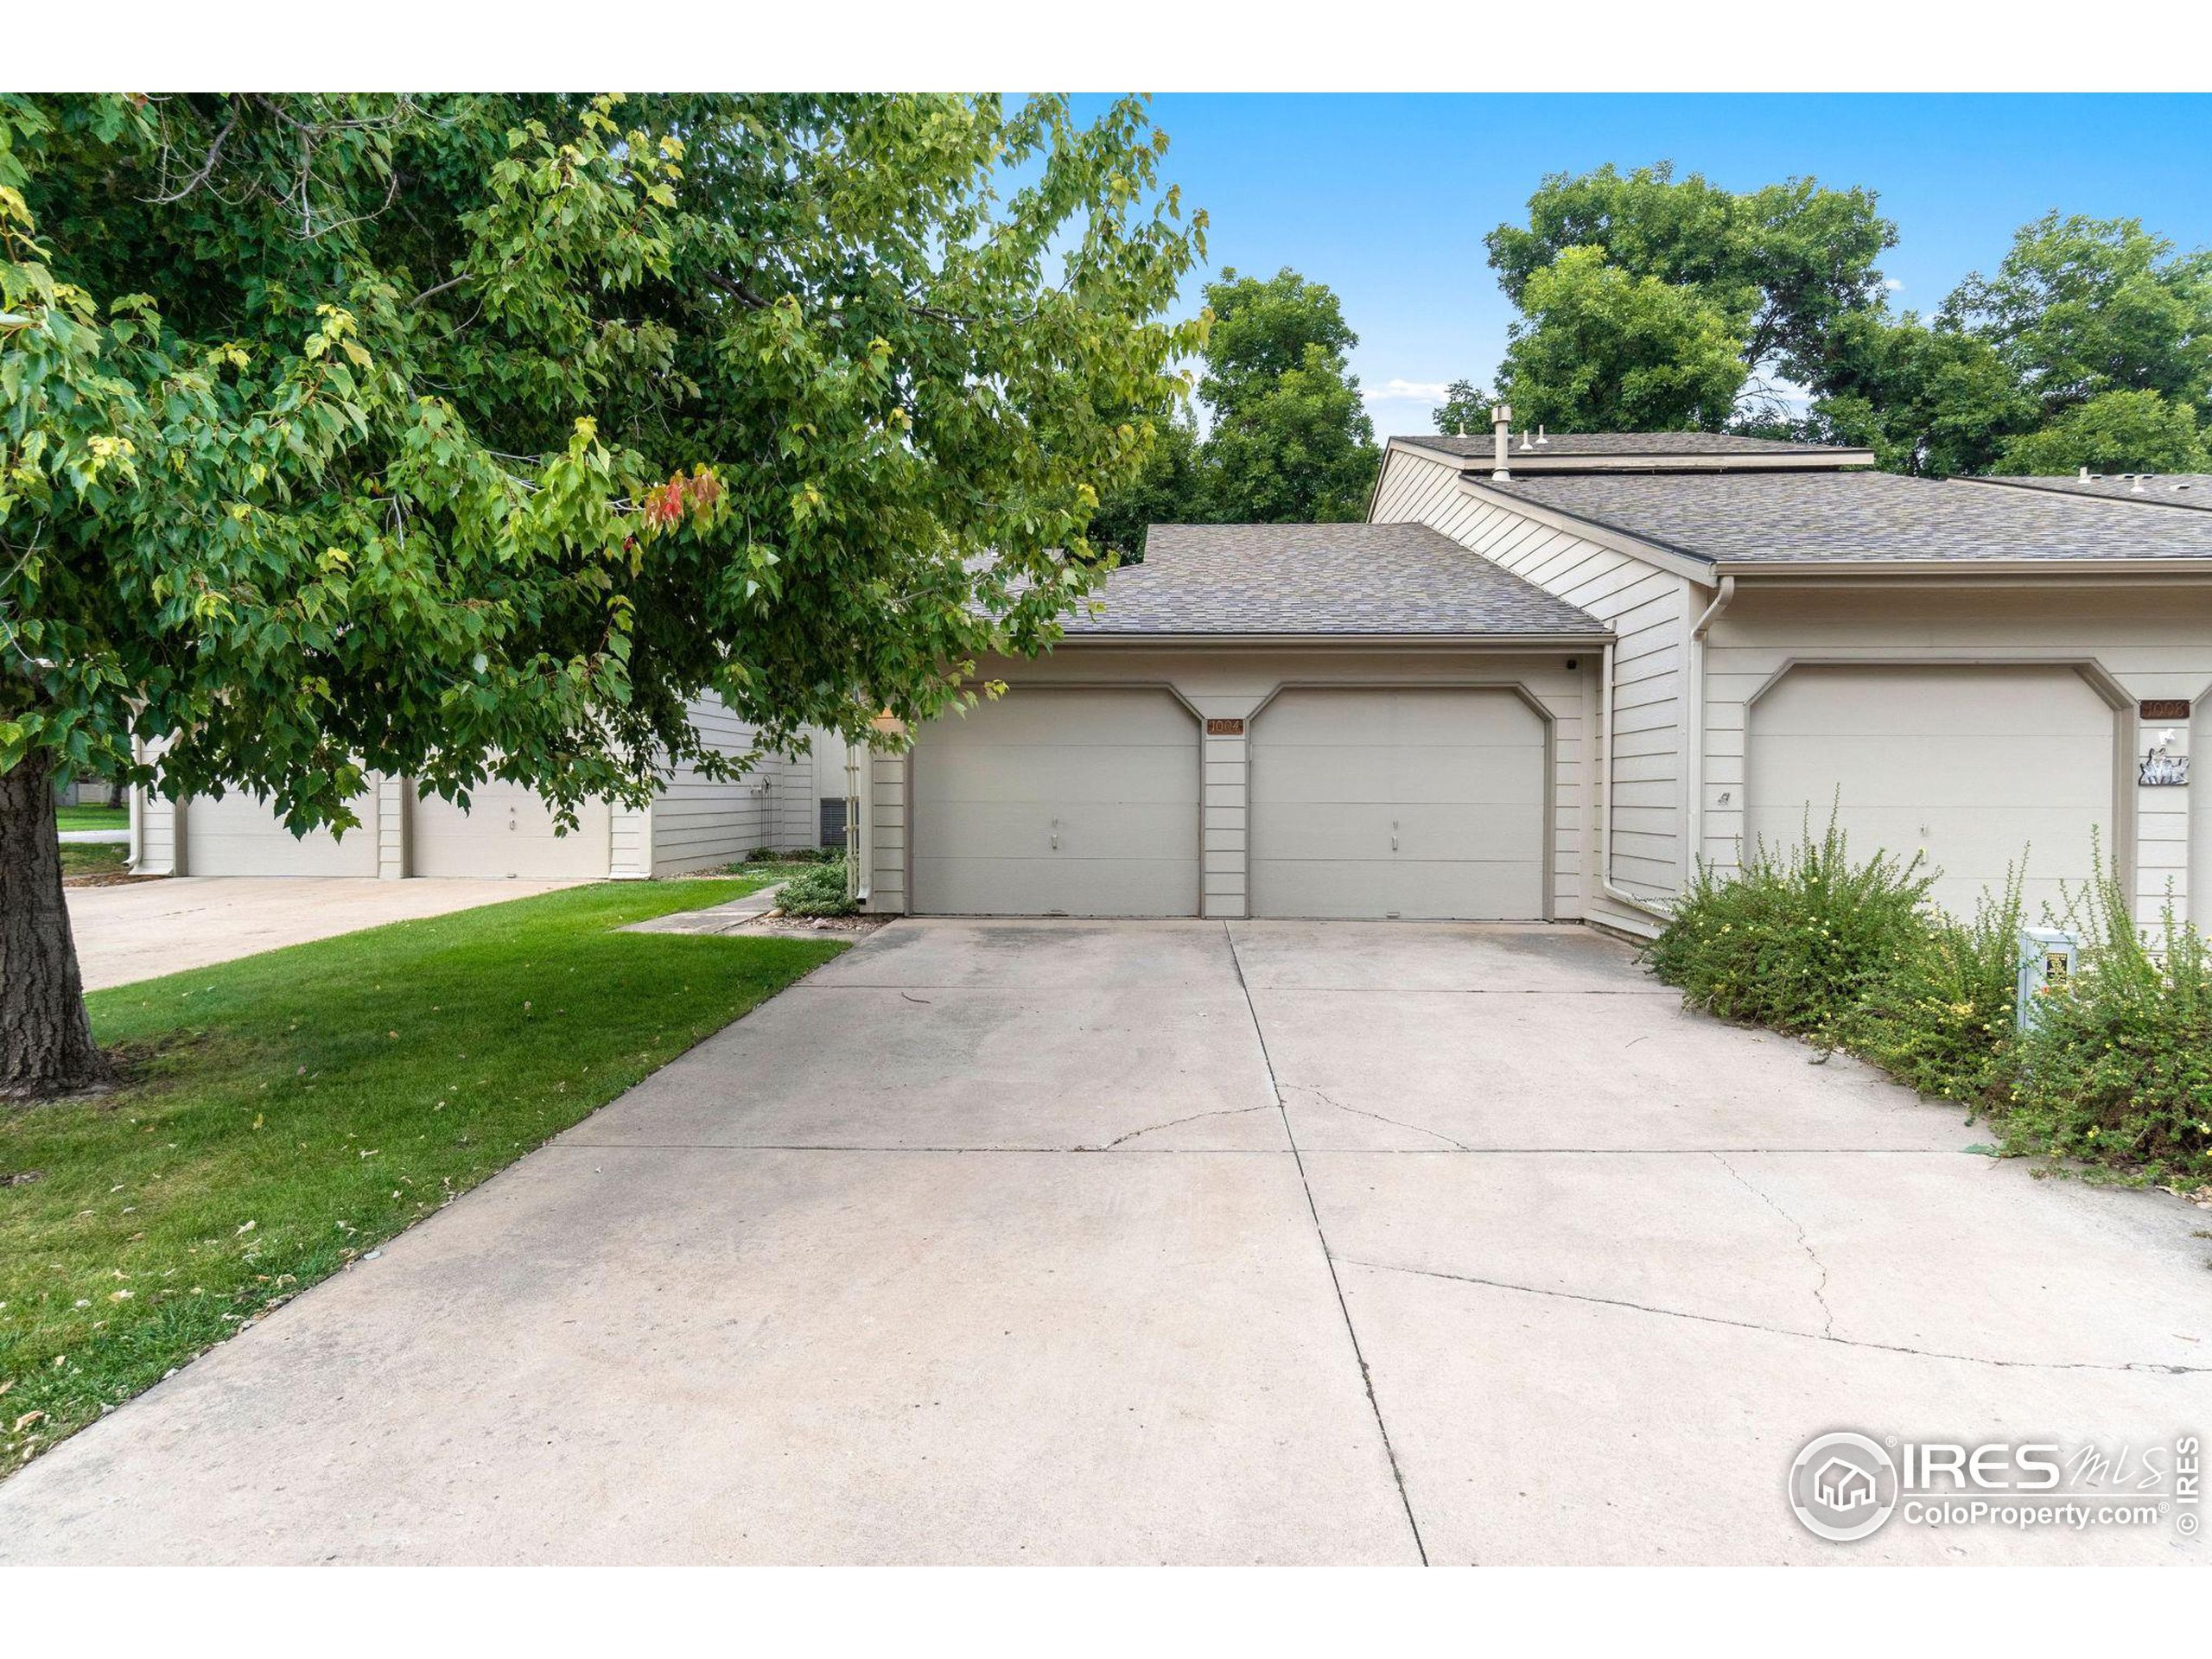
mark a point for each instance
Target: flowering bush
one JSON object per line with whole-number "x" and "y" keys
{"x": 2118, "y": 1071}
{"x": 1793, "y": 939}
{"x": 1941, "y": 1016}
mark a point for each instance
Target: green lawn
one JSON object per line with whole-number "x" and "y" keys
{"x": 92, "y": 818}
{"x": 291, "y": 1110}
{"x": 94, "y": 858}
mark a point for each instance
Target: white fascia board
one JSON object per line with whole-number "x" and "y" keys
{"x": 1534, "y": 461}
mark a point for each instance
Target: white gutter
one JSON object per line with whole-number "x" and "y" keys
{"x": 1612, "y": 890}
{"x": 1826, "y": 571}
{"x": 1694, "y": 765}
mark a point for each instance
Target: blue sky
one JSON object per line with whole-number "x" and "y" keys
{"x": 1387, "y": 198}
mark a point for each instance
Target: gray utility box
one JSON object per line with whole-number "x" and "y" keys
{"x": 2047, "y": 956}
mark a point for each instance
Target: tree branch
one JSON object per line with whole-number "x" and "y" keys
{"x": 214, "y": 155}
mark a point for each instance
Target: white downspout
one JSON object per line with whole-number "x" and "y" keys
{"x": 860, "y": 841}
{"x": 1695, "y": 764}
{"x": 137, "y": 811}
{"x": 1612, "y": 890}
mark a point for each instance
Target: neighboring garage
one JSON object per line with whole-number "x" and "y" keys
{"x": 1978, "y": 767}
{"x": 238, "y": 834}
{"x": 507, "y": 831}
{"x": 1063, "y": 802}
{"x": 1417, "y": 803}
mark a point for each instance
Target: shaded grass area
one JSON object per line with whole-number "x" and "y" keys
{"x": 92, "y": 818}
{"x": 760, "y": 872}
{"x": 286, "y": 1112}
{"x": 97, "y": 858}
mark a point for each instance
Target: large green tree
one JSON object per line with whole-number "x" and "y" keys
{"x": 1932, "y": 401}
{"x": 1599, "y": 349}
{"x": 2113, "y": 432}
{"x": 1465, "y": 409}
{"x": 470, "y": 436}
{"x": 1287, "y": 438}
{"x": 2090, "y": 346}
{"x": 1291, "y": 441}
{"x": 1784, "y": 264}
{"x": 1167, "y": 488}
{"x": 2082, "y": 307}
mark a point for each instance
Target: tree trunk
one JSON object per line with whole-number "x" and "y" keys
{"x": 46, "y": 1040}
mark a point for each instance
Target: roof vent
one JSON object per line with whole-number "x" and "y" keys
{"x": 1501, "y": 427}
{"x": 1527, "y": 444}
{"x": 1540, "y": 439}
{"x": 2085, "y": 475}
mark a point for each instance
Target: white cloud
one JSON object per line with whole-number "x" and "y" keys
{"x": 1434, "y": 390}
{"x": 1892, "y": 283}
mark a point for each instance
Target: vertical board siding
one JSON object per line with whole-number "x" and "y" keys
{"x": 887, "y": 807}
{"x": 1648, "y": 609}
{"x": 394, "y": 799}
{"x": 1225, "y": 827}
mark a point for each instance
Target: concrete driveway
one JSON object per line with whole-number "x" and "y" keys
{"x": 1178, "y": 1242}
{"x": 139, "y": 930}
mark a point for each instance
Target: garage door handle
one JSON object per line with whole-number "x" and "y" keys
{"x": 1394, "y": 835}
{"x": 1056, "y": 835}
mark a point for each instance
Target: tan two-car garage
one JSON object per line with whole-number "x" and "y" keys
{"x": 1977, "y": 765}
{"x": 1379, "y": 801}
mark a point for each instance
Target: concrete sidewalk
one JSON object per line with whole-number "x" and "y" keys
{"x": 1072, "y": 1241}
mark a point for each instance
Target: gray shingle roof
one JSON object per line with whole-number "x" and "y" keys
{"x": 2147, "y": 489}
{"x": 1305, "y": 579}
{"x": 1819, "y": 517}
{"x": 1482, "y": 446}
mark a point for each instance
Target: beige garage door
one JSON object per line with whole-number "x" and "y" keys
{"x": 239, "y": 834}
{"x": 1976, "y": 766}
{"x": 1052, "y": 803}
{"x": 506, "y": 831}
{"x": 1406, "y": 802}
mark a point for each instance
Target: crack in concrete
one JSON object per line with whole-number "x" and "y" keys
{"x": 1820, "y": 1288}
{"x": 2152, "y": 1367}
{"x": 1360, "y": 1112}
{"x": 1328, "y": 1256}
{"x": 1154, "y": 1129}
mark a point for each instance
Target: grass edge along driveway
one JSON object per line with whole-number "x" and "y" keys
{"x": 286, "y": 1112}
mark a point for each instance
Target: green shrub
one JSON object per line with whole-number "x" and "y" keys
{"x": 2118, "y": 1071}
{"x": 796, "y": 855}
{"x": 1939, "y": 1018}
{"x": 1793, "y": 941}
{"x": 818, "y": 890}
